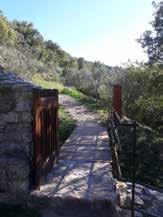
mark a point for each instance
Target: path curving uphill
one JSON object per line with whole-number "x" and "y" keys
{"x": 78, "y": 111}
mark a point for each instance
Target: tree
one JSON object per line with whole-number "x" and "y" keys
{"x": 152, "y": 40}
{"x": 30, "y": 35}
{"x": 80, "y": 63}
{"x": 7, "y": 33}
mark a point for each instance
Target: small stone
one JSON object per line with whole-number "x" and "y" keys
{"x": 121, "y": 186}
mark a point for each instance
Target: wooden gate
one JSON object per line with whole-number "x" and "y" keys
{"x": 45, "y": 120}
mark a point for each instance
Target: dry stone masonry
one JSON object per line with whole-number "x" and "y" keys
{"x": 15, "y": 133}
{"x": 147, "y": 200}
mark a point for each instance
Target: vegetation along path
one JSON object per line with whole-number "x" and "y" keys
{"x": 82, "y": 179}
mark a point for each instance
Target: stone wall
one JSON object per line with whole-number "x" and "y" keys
{"x": 16, "y": 142}
{"x": 147, "y": 200}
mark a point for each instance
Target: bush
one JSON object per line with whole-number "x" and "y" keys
{"x": 148, "y": 110}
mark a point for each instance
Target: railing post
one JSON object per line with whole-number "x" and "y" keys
{"x": 117, "y": 99}
{"x": 133, "y": 170}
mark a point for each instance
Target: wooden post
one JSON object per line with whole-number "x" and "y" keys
{"x": 117, "y": 101}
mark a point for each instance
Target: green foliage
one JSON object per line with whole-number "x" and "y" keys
{"x": 84, "y": 99}
{"x": 7, "y": 33}
{"x": 148, "y": 163}
{"x": 152, "y": 41}
{"x": 38, "y": 79}
{"x": 30, "y": 56}
{"x": 24, "y": 51}
{"x": 66, "y": 125}
{"x": 150, "y": 111}
{"x": 89, "y": 102}
{"x": 143, "y": 101}
{"x": 143, "y": 95}
{"x": 30, "y": 36}
{"x": 81, "y": 62}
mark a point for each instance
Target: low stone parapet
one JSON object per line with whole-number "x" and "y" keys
{"x": 16, "y": 139}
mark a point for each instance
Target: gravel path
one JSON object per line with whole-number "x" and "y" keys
{"x": 78, "y": 112}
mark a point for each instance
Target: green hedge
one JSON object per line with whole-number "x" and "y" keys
{"x": 149, "y": 110}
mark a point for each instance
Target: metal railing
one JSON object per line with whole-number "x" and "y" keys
{"x": 114, "y": 122}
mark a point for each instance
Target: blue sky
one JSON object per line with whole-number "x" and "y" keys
{"x": 103, "y": 30}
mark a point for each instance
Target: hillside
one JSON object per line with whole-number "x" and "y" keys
{"x": 24, "y": 51}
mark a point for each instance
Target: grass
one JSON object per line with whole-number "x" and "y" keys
{"x": 148, "y": 163}
{"x": 66, "y": 125}
{"x": 37, "y": 79}
{"x": 92, "y": 104}
{"x": 89, "y": 102}
{"x": 7, "y": 210}
{"x": 147, "y": 142}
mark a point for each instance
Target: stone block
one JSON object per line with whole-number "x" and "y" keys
{"x": 6, "y": 105}
{"x": 16, "y": 127}
{"x": 14, "y": 173}
{"x": 8, "y": 148}
{"x": 25, "y": 117}
{"x": 2, "y": 128}
{"x": 5, "y": 89}
{"x": 10, "y": 117}
{"x": 24, "y": 106}
{"x": 14, "y": 148}
{"x": 22, "y": 87}
{"x": 26, "y": 137}
{"x": 10, "y": 137}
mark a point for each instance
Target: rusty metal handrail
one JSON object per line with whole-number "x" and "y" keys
{"x": 115, "y": 145}
{"x": 113, "y": 123}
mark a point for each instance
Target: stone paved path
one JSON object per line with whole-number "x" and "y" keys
{"x": 83, "y": 172}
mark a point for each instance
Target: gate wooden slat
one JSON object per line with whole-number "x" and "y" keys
{"x": 45, "y": 116}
